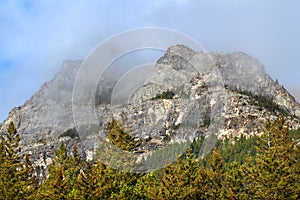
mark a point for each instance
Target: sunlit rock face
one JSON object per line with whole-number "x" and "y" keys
{"x": 193, "y": 77}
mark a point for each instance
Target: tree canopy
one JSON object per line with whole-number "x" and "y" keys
{"x": 265, "y": 167}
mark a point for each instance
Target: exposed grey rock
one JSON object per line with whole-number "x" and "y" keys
{"x": 48, "y": 112}
{"x": 43, "y": 118}
{"x": 244, "y": 72}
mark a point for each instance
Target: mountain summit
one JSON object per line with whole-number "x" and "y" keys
{"x": 186, "y": 91}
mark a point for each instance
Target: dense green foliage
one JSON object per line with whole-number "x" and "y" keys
{"x": 266, "y": 167}
{"x": 242, "y": 148}
{"x": 119, "y": 137}
{"x": 16, "y": 173}
{"x": 295, "y": 134}
{"x": 165, "y": 95}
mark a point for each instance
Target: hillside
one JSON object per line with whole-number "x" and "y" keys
{"x": 211, "y": 93}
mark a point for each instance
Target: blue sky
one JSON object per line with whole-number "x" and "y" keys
{"x": 36, "y": 36}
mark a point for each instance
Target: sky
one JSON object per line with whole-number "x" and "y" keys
{"x": 37, "y": 36}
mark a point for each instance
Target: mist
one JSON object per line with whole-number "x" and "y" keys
{"x": 37, "y": 36}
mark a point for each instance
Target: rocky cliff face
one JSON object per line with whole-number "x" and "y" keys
{"x": 49, "y": 110}
{"x": 243, "y": 72}
{"x": 239, "y": 94}
{"x": 46, "y": 115}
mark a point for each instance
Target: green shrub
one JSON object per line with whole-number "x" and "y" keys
{"x": 164, "y": 95}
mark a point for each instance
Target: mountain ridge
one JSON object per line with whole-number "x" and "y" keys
{"x": 43, "y": 119}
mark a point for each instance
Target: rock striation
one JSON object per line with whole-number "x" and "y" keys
{"x": 232, "y": 89}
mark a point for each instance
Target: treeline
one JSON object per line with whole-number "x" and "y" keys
{"x": 262, "y": 101}
{"x": 266, "y": 167}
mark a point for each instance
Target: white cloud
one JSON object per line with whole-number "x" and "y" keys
{"x": 36, "y": 36}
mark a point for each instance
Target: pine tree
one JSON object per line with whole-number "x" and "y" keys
{"x": 56, "y": 186}
{"x": 117, "y": 151}
{"x": 200, "y": 185}
{"x": 216, "y": 176}
{"x": 63, "y": 175}
{"x": 119, "y": 137}
{"x": 87, "y": 182}
{"x": 273, "y": 174}
{"x": 72, "y": 172}
{"x": 277, "y": 163}
{"x": 101, "y": 182}
{"x": 16, "y": 173}
{"x": 144, "y": 187}
{"x": 177, "y": 179}
{"x": 234, "y": 183}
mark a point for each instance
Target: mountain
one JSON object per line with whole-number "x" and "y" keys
{"x": 227, "y": 94}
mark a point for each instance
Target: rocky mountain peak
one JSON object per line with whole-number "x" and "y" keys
{"x": 249, "y": 96}
{"x": 48, "y": 111}
{"x": 177, "y": 56}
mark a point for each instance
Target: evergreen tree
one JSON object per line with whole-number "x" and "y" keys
{"x": 236, "y": 150}
{"x": 63, "y": 175}
{"x": 102, "y": 182}
{"x": 234, "y": 183}
{"x": 200, "y": 185}
{"x": 216, "y": 176}
{"x": 177, "y": 179}
{"x": 145, "y": 186}
{"x": 273, "y": 173}
{"x": 271, "y": 170}
{"x": 72, "y": 172}
{"x": 16, "y": 173}
{"x": 56, "y": 186}
{"x": 119, "y": 137}
{"x": 280, "y": 153}
{"x": 87, "y": 182}
{"x": 117, "y": 152}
